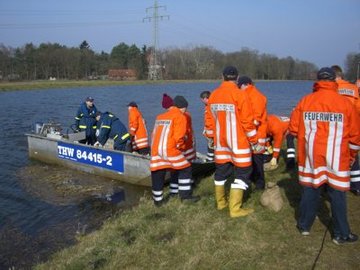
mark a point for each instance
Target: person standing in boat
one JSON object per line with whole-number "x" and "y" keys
{"x": 137, "y": 130}
{"x": 208, "y": 130}
{"x": 234, "y": 136}
{"x": 167, "y": 146}
{"x": 111, "y": 127}
{"x": 258, "y": 104}
{"x": 85, "y": 120}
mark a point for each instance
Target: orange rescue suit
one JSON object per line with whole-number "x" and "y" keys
{"x": 233, "y": 125}
{"x": 277, "y": 128}
{"x": 189, "y": 149}
{"x": 258, "y": 104}
{"x": 208, "y": 123}
{"x": 137, "y": 129}
{"x": 350, "y": 91}
{"x": 328, "y": 134}
{"x": 168, "y": 141}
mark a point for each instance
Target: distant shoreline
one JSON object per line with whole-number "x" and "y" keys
{"x": 46, "y": 84}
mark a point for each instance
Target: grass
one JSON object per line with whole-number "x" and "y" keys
{"x": 183, "y": 236}
{"x": 46, "y": 84}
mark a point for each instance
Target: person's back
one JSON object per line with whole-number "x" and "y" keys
{"x": 325, "y": 127}
{"x": 346, "y": 88}
{"x": 168, "y": 140}
{"x": 234, "y": 125}
{"x": 189, "y": 148}
{"x": 112, "y": 127}
{"x": 167, "y": 146}
{"x": 137, "y": 129}
{"x": 259, "y": 113}
{"x": 258, "y": 103}
{"x": 234, "y": 131}
{"x": 276, "y": 128}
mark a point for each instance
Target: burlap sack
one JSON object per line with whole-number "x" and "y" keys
{"x": 268, "y": 167}
{"x": 271, "y": 197}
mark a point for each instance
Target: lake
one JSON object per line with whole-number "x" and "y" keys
{"x": 41, "y": 208}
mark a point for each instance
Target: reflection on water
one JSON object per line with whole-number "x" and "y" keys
{"x": 61, "y": 186}
{"x": 43, "y": 208}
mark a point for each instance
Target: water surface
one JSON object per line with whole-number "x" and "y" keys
{"x": 33, "y": 222}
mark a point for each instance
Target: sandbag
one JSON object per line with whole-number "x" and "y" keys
{"x": 268, "y": 167}
{"x": 272, "y": 198}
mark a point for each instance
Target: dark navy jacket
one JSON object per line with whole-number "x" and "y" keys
{"x": 85, "y": 119}
{"x": 111, "y": 127}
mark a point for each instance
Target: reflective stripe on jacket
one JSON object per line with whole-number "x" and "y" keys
{"x": 328, "y": 133}
{"x": 167, "y": 141}
{"x": 112, "y": 127}
{"x": 208, "y": 122}
{"x": 276, "y": 128}
{"x": 234, "y": 125}
{"x": 137, "y": 128}
{"x": 85, "y": 119}
{"x": 189, "y": 148}
{"x": 350, "y": 91}
{"x": 258, "y": 104}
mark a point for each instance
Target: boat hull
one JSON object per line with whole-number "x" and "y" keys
{"x": 124, "y": 166}
{"x": 127, "y": 167}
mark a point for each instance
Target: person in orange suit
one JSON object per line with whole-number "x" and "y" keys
{"x": 327, "y": 129}
{"x": 137, "y": 130}
{"x": 167, "y": 147}
{"x": 258, "y": 104}
{"x": 189, "y": 149}
{"x": 277, "y": 129}
{"x": 190, "y": 146}
{"x": 207, "y": 132}
{"x": 234, "y": 137}
{"x": 351, "y": 92}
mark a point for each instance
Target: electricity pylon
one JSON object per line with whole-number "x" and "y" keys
{"x": 155, "y": 68}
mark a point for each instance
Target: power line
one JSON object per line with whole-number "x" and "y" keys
{"x": 154, "y": 66}
{"x": 61, "y": 25}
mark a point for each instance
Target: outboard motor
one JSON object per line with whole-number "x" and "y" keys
{"x": 37, "y": 127}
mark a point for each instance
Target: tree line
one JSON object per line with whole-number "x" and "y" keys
{"x": 53, "y": 60}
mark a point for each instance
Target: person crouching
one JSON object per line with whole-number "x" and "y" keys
{"x": 111, "y": 127}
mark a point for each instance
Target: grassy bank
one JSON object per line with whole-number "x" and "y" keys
{"x": 30, "y": 85}
{"x": 182, "y": 236}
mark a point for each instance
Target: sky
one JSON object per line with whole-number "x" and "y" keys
{"x": 322, "y": 32}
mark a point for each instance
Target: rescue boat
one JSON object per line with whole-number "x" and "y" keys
{"x": 47, "y": 143}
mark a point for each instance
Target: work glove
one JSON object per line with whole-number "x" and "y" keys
{"x": 268, "y": 150}
{"x": 97, "y": 144}
{"x": 258, "y": 148}
{"x": 273, "y": 161}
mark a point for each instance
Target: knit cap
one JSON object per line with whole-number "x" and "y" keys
{"x": 167, "y": 101}
{"x": 244, "y": 80}
{"x": 180, "y": 102}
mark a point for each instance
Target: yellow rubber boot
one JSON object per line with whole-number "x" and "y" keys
{"x": 235, "y": 202}
{"x": 220, "y": 197}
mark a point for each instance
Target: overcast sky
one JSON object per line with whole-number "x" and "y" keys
{"x": 319, "y": 31}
